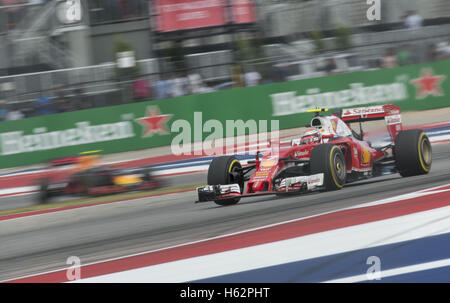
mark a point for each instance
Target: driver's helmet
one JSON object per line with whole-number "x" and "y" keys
{"x": 311, "y": 136}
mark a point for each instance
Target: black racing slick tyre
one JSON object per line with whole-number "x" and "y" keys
{"x": 87, "y": 181}
{"x": 226, "y": 170}
{"x": 148, "y": 174}
{"x": 413, "y": 153}
{"x": 44, "y": 193}
{"x": 329, "y": 160}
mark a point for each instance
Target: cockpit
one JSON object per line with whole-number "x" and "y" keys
{"x": 331, "y": 125}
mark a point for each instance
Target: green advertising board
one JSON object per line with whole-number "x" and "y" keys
{"x": 149, "y": 124}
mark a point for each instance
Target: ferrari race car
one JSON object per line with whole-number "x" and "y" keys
{"x": 326, "y": 157}
{"x": 87, "y": 176}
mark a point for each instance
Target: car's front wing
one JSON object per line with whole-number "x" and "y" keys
{"x": 298, "y": 184}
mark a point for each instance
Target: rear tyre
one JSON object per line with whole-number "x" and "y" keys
{"x": 329, "y": 160}
{"x": 149, "y": 177}
{"x": 44, "y": 193}
{"x": 148, "y": 174}
{"x": 226, "y": 170}
{"x": 87, "y": 182}
{"x": 413, "y": 153}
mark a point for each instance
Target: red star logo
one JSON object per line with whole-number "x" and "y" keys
{"x": 154, "y": 122}
{"x": 428, "y": 84}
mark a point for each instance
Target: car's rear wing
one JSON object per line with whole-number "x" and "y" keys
{"x": 65, "y": 161}
{"x": 72, "y": 159}
{"x": 389, "y": 112}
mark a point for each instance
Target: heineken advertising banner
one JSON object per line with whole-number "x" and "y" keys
{"x": 143, "y": 125}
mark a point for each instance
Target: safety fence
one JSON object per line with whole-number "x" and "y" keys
{"x": 155, "y": 123}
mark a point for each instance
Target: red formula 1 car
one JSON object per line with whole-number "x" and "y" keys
{"x": 326, "y": 157}
{"x": 87, "y": 176}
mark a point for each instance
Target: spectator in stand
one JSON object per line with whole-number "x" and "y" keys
{"x": 330, "y": 67}
{"x": 62, "y": 104}
{"x": 413, "y": 20}
{"x": 266, "y": 80}
{"x": 79, "y": 100}
{"x": 197, "y": 86}
{"x": 252, "y": 78}
{"x": 237, "y": 78}
{"x": 402, "y": 22}
{"x": 161, "y": 87}
{"x": 195, "y": 83}
{"x": 141, "y": 89}
{"x": 443, "y": 51}
{"x": 281, "y": 72}
{"x": 3, "y": 111}
{"x": 15, "y": 113}
{"x": 432, "y": 54}
{"x": 44, "y": 106}
{"x": 389, "y": 59}
{"x": 404, "y": 56}
{"x": 75, "y": 100}
{"x": 27, "y": 110}
{"x": 179, "y": 85}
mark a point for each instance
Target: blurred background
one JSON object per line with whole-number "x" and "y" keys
{"x": 60, "y": 56}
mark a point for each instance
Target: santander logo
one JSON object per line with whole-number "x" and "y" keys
{"x": 301, "y": 153}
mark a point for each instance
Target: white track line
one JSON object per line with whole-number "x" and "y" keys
{"x": 399, "y": 198}
{"x": 367, "y": 235}
{"x": 395, "y": 271}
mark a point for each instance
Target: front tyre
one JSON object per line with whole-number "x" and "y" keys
{"x": 329, "y": 160}
{"x": 413, "y": 153}
{"x": 226, "y": 170}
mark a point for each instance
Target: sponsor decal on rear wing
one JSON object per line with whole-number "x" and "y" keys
{"x": 393, "y": 119}
{"x": 389, "y": 112}
{"x": 362, "y": 114}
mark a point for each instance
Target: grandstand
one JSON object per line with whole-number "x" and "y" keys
{"x": 68, "y": 50}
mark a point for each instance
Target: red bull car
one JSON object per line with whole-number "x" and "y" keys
{"x": 329, "y": 155}
{"x": 87, "y": 176}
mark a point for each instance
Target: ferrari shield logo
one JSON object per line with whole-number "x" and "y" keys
{"x": 365, "y": 156}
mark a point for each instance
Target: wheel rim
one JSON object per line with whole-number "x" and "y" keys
{"x": 339, "y": 167}
{"x": 425, "y": 149}
{"x": 232, "y": 179}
